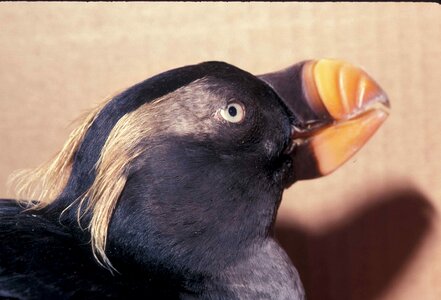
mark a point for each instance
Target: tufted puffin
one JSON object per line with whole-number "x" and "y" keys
{"x": 170, "y": 189}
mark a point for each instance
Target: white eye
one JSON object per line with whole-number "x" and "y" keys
{"x": 233, "y": 113}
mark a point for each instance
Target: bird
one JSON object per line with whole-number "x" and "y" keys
{"x": 170, "y": 189}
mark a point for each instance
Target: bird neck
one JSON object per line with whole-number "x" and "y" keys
{"x": 264, "y": 272}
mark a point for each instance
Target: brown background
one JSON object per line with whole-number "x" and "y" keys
{"x": 370, "y": 230}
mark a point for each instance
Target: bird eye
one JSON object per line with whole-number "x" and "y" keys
{"x": 233, "y": 113}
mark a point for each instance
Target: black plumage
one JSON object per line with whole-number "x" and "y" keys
{"x": 198, "y": 196}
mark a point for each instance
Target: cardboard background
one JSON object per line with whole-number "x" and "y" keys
{"x": 370, "y": 230}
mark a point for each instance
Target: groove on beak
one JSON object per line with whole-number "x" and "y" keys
{"x": 338, "y": 109}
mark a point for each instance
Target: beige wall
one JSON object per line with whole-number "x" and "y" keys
{"x": 369, "y": 231}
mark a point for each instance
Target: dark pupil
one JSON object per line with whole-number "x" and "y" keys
{"x": 232, "y": 111}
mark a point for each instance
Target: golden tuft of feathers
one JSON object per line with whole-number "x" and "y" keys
{"x": 39, "y": 187}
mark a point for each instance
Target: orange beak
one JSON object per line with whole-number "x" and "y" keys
{"x": 339, "y": 108}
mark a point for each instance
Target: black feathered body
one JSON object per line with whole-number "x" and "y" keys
{"x": 43, "y": 260}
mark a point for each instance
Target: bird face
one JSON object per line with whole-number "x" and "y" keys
{"x": 307, "y": 119}
{"x": 217, "y": 119}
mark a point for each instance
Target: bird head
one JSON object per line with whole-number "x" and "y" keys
{"x": 188, "y": 167}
